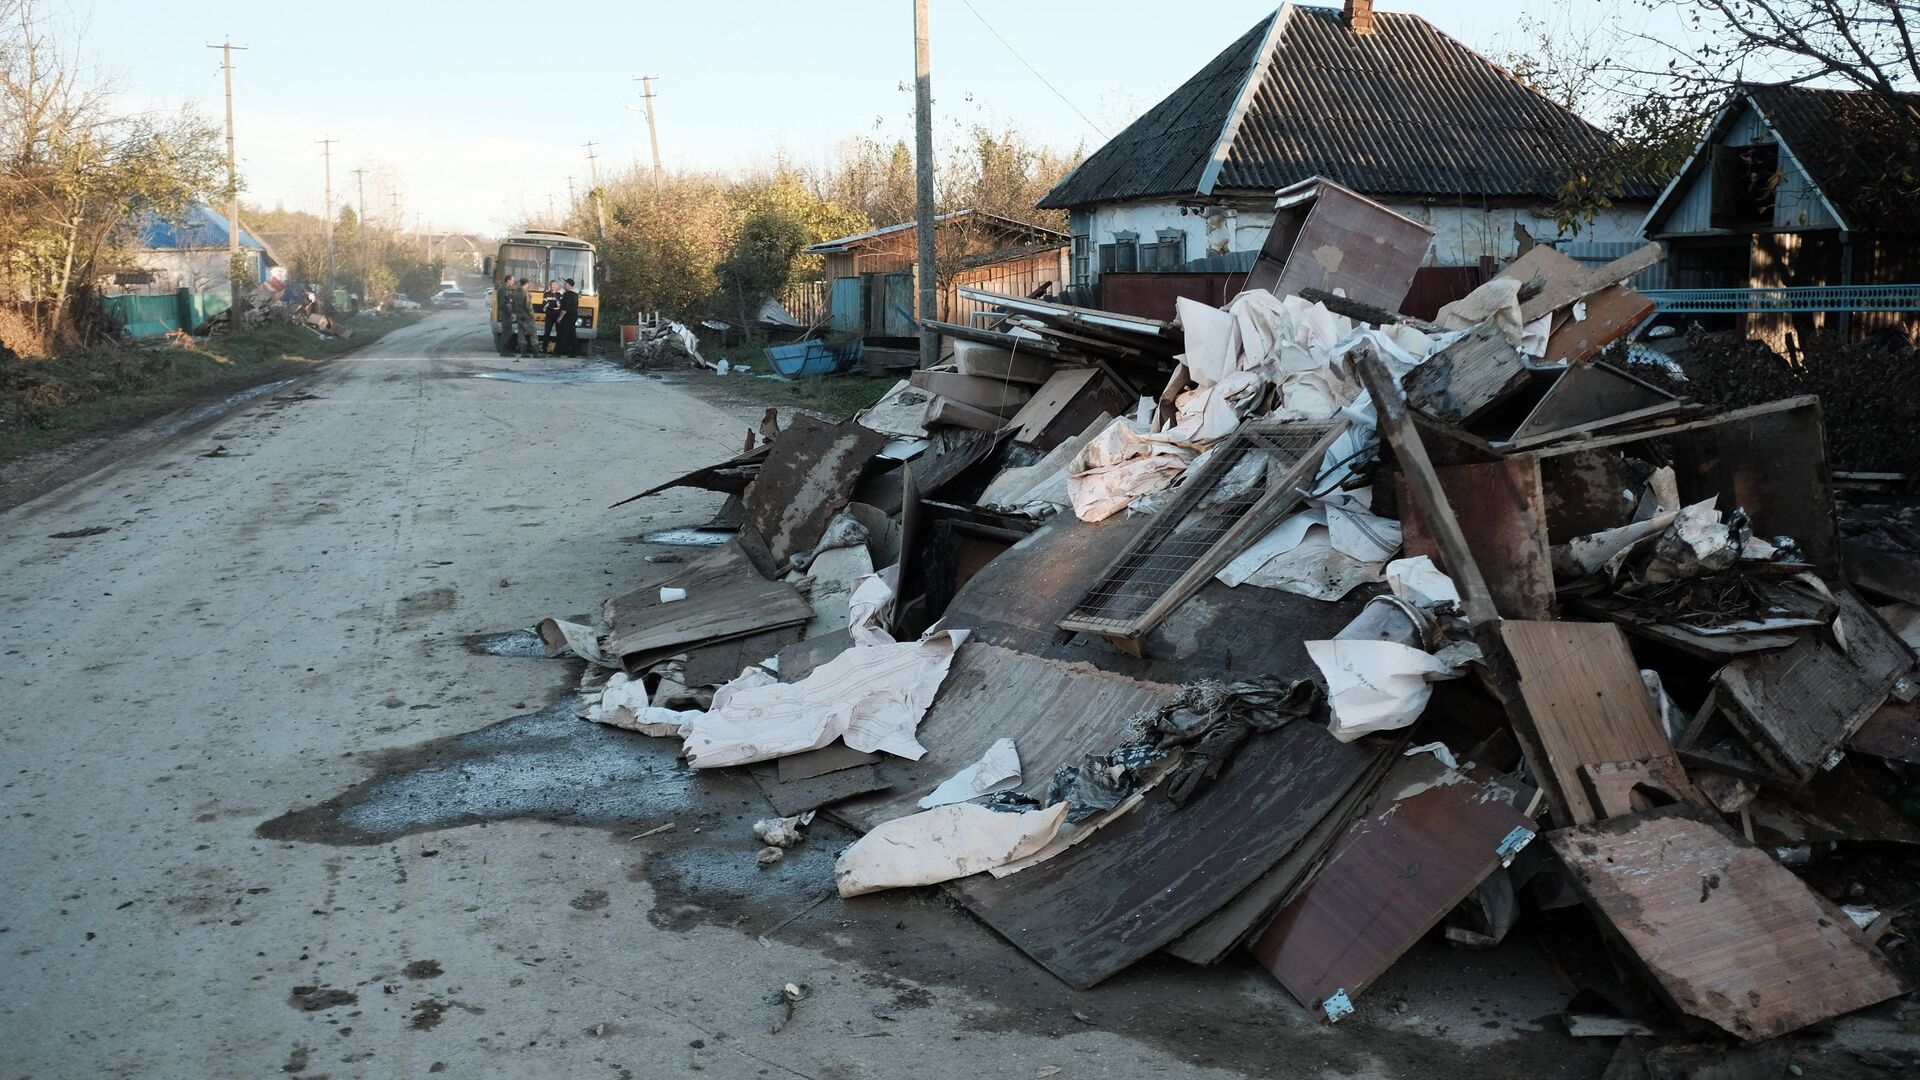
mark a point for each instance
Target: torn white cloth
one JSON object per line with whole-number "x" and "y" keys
{"x": 834, "y": 574}
{"x": 623, "y": 703}
{"x": 1375, "y": 685}
{"x": 1418, "y": 581}
{"x": 997, "y": 770}
{"x": 869, "y": 609}
{"x": 1497, "y": 300}
{"x": 1118, "y": 466}
{"x": 942, "y": 844}
{"x": 872, "y": 697}
{"x": 1323, "y": 552}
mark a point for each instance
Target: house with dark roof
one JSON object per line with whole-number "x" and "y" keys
{"x": 1805, "y": 199}
{"x": 1381, "y": 102}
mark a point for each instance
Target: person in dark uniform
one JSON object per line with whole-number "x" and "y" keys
{"x": 550, "y": 312}
{"x": 522, "y": 319}
{"x": 567, "y": 338}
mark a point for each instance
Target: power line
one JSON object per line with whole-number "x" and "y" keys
{"x": 1036, "y": 71}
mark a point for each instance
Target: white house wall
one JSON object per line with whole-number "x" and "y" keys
{"x": 1462, "y": 234}
{"x": 200, "y": 270}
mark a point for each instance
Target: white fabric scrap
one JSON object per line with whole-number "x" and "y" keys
{"x": 624, "y": 703}
{"x": 1323, "y": 552}
{"x": 942, "y": 844}
{"x": 1418, "y": 581}
{"x": 582, "y": 642}
{"x": 1375, "y": 685}
{"x": 902, "y": 412}
{"x": 869, "y": 608}
{"x": 872, "y": 697}
{"x": 1118, "y": 466}
{"x": 997, "y": 770}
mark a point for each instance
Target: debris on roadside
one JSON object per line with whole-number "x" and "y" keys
{"x": 1497, "y": 587}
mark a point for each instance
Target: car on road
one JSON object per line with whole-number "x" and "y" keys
{"x": 451, "y": 298}
{"x": 403, "y": 302}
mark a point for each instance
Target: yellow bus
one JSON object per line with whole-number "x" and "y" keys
{"x": 538, "y": 256}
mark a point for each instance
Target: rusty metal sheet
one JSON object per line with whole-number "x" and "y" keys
{"x": 1729, "y": 935}
{"x": 807, "y": 477}
{"x": 1433, "y": 835}
{"x": 1501, "y": 510}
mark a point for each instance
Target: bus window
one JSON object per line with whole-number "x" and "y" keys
{"x": 525, "y": 262}
{"x": 572, "y": 263}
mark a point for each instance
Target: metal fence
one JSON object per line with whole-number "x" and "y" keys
{"x": 1787, "y": 300}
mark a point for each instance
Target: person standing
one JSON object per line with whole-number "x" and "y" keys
{"x": 568, "y": 338}
{"x": 522, "y": 319}
{"x": 550, "y": 311}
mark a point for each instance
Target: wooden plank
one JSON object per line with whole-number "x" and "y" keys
{"x": 1891, "y": 732}
{"x": 1562, "y": 291}
{"x": 1433, "y": 835}
{"x": 1501, "y": 511}
{"x": 1729, "y": 935}
{"x": 1627, "y": 787}
{"x": 1588, "y": 397}
{"x": 1065, "y": 405}
{"x": 1797, "y": 706}
{"x": 1612, "y": 313}
{"x": 808, "y": 476}
{"x": 725, "y": 598}
{"x": 959, "y": 414}
{"x": 1468, "y": 377}
{"x": 722, "y": 661}
{"x": 1456, "y": 555}
{"x": 828, "y": 759}
{"x": 1585, "y": 705}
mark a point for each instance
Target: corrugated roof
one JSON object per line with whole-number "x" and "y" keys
{"x": 1859, "y": 148}
{"x": 1405, "y": 110}
{"x": 201, "y": 226}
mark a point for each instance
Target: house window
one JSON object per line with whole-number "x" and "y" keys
{"x": 1744, "y": 181}
{"x": 1082, "y": 259}
{"x": 1123, "y": 255}
{"x": 1169, "y": 252}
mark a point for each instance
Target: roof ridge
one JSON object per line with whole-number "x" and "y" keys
{"x": 1256, "y": 76}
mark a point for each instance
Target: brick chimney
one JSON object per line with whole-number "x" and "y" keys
{"x": 1358, "y": 16}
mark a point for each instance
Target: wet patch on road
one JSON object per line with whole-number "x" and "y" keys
{"x": 193, "y": 416}
{"x": 519, "y": 644}
{"x": 544, "y": 766}
{"x": 600, "y": 372}
{"x": 688, "y": 537}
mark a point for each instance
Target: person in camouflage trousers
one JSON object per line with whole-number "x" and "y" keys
{"x": 522, "y": 318}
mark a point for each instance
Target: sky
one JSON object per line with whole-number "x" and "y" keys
{"x": 475, "y": 114}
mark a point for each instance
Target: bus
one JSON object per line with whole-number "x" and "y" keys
{"x": 538, "y": 256}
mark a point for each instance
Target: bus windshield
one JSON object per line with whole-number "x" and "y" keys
{"x": 524, "y": 262}
{"x": 572, "y": 263}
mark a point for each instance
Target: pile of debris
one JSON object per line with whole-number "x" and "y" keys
{"x": 663, "y": 343}
{"x": 1290, "y": 627}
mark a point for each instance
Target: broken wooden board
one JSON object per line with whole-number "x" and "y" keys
{"x": 808, "y": 476}
{"x": 1619, "y": 788}
{"x": 1154, "y": 873}
{"x": 1502, "y": 512}
{"x": 1065, "y": 404}
{"x": 831, "y": 758}
{"x": 1471, "y": 375}
{"x": 1588, "y": 398}
{"x": 790, "y": 797}
{"x": 1584, "y": 705}
{"x": 1611, "y": 312}
{"x": 722, "y": 661}
{"x": 1729, "y": 935}
{"x": 1432, "y": 836}
{"x": 726, "y": 598}
{"x": 1892, "y": 732}
{"x": 1562, "y": 291}
{"x": 950, "y": 452}
{"x": 731, "y": 476}
{"x": 1795, "y": 707}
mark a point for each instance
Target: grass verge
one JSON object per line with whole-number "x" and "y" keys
{"x": 834, "y": 397}
{"x": 47, "y": 403}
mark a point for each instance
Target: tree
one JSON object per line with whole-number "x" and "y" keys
{"x": 1861, "y": 44}
{"x": 80, "y": 180}
{"x": 759, "y": 263}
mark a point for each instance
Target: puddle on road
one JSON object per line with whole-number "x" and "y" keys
{"x": 689, "y": 537}
{"x": 522, "y": 644}
{"x": 600, "y": 372}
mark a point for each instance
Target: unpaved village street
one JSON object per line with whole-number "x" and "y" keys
{"x": 233, "y": 847}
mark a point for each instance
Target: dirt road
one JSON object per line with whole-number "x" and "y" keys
{"x": 267, "y": 811}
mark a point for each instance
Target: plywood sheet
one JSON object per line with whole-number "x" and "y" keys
{"x": 1585, "y": 705}
{"x": 1729, "y": 935}
{"x": 807, "y": 477}
{"x": 726, "y": 598}
{"x": 1432, "y": 836}
{"x": 1502, "y": 512}
{"x": 1066, "y": 404}
{"x": 1891, "y": 732}
{"x": 722, "y": 661}
{"x": 790, "y": 797}
{"x": 1795, "y": 706}
{"x": 1468, "y": 377}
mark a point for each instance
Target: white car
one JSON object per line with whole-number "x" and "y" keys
{"x": 402, "y": 302}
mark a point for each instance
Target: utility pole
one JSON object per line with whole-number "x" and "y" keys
{"x": 928, "y": 307}
{"x": 653, "y": 133}
{"x": 593, "y": 174}
{"x": 326, "y": 150}
{"x": 399, "y": 222}
{"x": 360, "y": 235}
{"x": 233, "y": 172}
{"x": 573, "y": 197}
